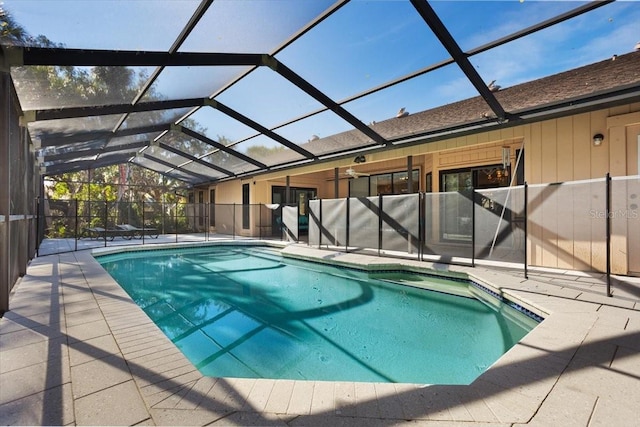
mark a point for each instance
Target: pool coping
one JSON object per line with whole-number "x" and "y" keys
{"x": 124, "y": 360}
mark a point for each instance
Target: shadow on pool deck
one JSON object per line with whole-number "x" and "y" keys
{"x": 76, "y": 349}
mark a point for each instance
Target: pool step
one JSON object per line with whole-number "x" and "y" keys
{"x": 460, "y": 289}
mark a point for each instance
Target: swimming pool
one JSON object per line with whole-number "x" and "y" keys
{"x": 248, "y": 312}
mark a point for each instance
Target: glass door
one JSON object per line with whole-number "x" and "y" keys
{"x": 297, "y": 195}
{"x": 246, "y": 208}
{"x": 212, "y": 208}
{"x": 456, "y": 206}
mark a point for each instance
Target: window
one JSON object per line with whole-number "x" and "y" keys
{"x": 520, "y": 167}
{"x": 380, "y": 184}
{"x": 386, "y": 183}
{"x": 246, "y": 208}
{"x": 491, "y": 176}
{"x": 278, "y": 194}
{"x": 201, "y": 208}
{"x": 400, "y": 181}
{"x": 212, "y": 208}
{"x": 456, "y": 212}
{"x": 359, "y": 187}
{"x": 299, "y": 195}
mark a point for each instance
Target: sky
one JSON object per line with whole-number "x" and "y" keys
{"x": 364, "y": 45}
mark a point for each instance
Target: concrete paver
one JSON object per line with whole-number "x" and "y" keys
{"x": 37, "y": 408}
{"x": 180, "y": 417}
{"x": 366, "y": 400}
{"x": 99, "y": 374}
{"x": 92, "y": 349}
{"x": 279, "y": 397}
{"x": 86, "y": 331}
{"x": 322, "y": 400}
{"x": 74, "y": 349}
{"x": 31, "y": 354}
{"x": 117, "y": 405}
{"x": 258, "y": 396}
{"x": 300, "y": 403}
{"x": 345, "y": 399}
{"x": 33, "y": 379}
{"x": 565, "y": 407}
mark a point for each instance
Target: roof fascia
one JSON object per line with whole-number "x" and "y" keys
{"x": 526, "y": 116}
{"x": 598, "y": 100}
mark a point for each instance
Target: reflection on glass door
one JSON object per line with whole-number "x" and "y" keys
{"x": 456, "y": 212}
{"x": 200, "y": 209}
{"x": 212, "y": 208}
{"x": 246, "y": 209}
{"x": 297, "y": 195}
{"x": 359, "y": 187}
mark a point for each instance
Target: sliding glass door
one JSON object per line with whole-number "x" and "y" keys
{"x": 456, "y": 214}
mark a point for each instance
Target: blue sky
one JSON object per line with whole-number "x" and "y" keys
{"x": 365, "y": 44}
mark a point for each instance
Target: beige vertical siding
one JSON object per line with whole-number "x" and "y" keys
{"x": 556, "y": 151}
{"x": 632, "y": 149}
{"x": 582, "y": 146}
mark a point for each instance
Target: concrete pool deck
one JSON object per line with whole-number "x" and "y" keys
{"x": 74, "y": 349}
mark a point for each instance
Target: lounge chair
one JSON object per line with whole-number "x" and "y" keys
{"x": 137, "y": 232}
{"x": 100, "y": 233}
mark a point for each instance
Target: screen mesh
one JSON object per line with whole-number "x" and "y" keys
{"x": 567, "y": 227}
{"x": 448, "y": 226}
{"x": 499, "y": 224}
{"x": 290, "y": 221}
{"x": 363, "y": 223}
{"x": 400, "y": 223}
{"x": 625, "y": 224}
{"x": 334, "y": 222}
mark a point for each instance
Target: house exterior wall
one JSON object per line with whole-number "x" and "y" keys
{"x": 557, "y": 150}
{"x": 228, "y": 192}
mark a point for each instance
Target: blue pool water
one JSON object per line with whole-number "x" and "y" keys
{"x": 248, "y": 312}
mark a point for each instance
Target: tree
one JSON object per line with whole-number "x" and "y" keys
{"x": 262, "y": 152}
{"x": 99, "y": 190}
{"x": 11, "y": 33}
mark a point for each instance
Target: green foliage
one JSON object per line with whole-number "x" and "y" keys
{"x": 11, "y": 32}
{"x": 107, "y": 195}
{"x": 261, "y": 152}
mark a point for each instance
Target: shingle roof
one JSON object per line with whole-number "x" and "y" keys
{"x": 598, "y": 79}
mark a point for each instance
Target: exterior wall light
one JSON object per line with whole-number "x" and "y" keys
{"x": 597, "y": 139}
